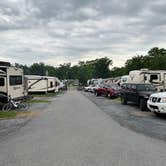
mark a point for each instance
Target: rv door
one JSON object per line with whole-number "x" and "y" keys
{"x": 164, "y": 81}
{"x": 3, "y": 88}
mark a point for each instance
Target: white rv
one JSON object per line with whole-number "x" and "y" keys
{"x": 94, "y": 81}
{"x": 124, "y": 79}
{"x": 40, "y": 84}
{"x": 155, "y": 77}
{"x": 11, "y": 81}
{"x": 57, "y": 84}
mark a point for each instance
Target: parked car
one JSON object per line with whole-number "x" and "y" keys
{"x": 157, "y": 103}
{"x": 138, "y": 93}
{"x": 90, "y": 88}
{"x": 100, "y": 90}
{"x": 112, "y": 90}
{"x": 87, "y": 88}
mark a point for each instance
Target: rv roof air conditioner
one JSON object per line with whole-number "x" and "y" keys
{"x": 144, "y": 69}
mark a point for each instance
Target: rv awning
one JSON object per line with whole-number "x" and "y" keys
{"x": 2, "y": 72}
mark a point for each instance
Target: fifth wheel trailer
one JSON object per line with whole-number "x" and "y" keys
{"x": 39, "y": 84}
{"x": 155, "y": 77}
{"x": 11, "y": 82}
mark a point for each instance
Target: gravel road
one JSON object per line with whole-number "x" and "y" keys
{"x": 130, "y": 116}
{"x": 73, "y": 131}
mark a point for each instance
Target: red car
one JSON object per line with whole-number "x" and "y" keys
{"x": 110, "y": 91}
{"x": 100, "y": 90}
{"x": 113, "y": 91}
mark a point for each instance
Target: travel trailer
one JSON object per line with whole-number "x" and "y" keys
{"x": 155, "y": 77}
{"x": 38, "y": 84}
{"x": 57, "y": 84}
{"x": 11, "y": 82}
{"x": 124, "y": 79}
{"x": 94, "y": 81}
{"x": 107, "y": 80}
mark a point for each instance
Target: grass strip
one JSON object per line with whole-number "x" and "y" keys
{"x": 37, "y": 101}
{"x": 8, "y": 115}
{"x": 45, "y": 95}
{"x": 117, "y": 100}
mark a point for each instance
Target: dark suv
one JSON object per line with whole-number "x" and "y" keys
{"x": 138, "y": 93}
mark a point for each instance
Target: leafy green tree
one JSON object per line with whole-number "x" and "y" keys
{"x": 38, "y": 69}
{"x": 102, "y": 67}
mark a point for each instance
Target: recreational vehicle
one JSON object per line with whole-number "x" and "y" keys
{"x": 155, "y": 77}
{"x": 124, "y": 79}
{"x": 107, "y": 81}
{"x": 37, "y": 84}
{"x": 57, "y": 84}
{"x": 11, "y": 82}
{"x": 94, "y": 81}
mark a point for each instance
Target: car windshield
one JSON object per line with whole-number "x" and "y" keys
{"x": 145, "y": 87}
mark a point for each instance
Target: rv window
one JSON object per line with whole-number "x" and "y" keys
{"x": 51, "y": 84}
{"x": 15, "y": 80}
{"x": 2, "y": 82}
{"x": 153, "y": 77}
{"x": 145, "y": 78}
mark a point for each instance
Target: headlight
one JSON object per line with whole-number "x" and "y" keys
{"x": 163, "y": 100}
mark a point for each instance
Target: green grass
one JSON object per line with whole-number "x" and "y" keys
{"x": 37, "y": 101}
{"x": 8, "y": 115}
{"x": 45, "y": 95}
{"x": 117, "y": 100}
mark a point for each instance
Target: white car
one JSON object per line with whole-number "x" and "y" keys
{"x": 157, "y": 103}
{"x": 87, "y": 88}
{"x": 90, "y": 88}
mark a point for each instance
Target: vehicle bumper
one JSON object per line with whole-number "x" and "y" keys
{"x": 156, "y": 107}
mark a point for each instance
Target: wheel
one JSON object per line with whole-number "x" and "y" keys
{"x": 96, "y": 93}
{"x": 108, "y": 95}
{"x": 7, "y": 107}
{"x": 142, "y": 105}
{"x": 123, "y": 100}
{"x": 23, "y": 107}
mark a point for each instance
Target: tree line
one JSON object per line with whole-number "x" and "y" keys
{"x": 99, "y": 68}
{"x": 154, "y": 60}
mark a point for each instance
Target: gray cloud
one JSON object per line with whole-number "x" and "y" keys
{"x": 71, "y": 30}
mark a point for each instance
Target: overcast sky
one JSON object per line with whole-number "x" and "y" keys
{"x": 60, "y": 31}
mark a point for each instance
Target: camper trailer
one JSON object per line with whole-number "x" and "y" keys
{"x": 107, "y": 81}
{"x": 39, "y": 84}
{"x": 57, "y": 83}
{"x": 11, "y": 82}
{"x": 124, "y": 79}
{"x": 155, "y": 77}
{"x": 94, "y": 81}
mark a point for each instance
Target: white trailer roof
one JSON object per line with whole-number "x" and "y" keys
{"x": 37, "y": 77}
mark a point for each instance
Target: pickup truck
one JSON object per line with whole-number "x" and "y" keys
{"x": 137, "y": 93}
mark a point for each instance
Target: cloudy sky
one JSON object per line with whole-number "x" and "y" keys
{"x": 60, "y": 31}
